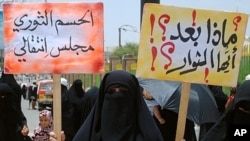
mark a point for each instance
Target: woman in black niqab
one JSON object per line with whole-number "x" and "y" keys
{"x": 119, "y": 115}
{"x": 76, "y": 90}
{"x": 8, "y": 113}
{"x": 237, "y": 114}
{"x": 76, "y": 95}
{"x": 12, "y": 119}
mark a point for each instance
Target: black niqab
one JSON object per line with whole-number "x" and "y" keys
{"x": 123, "y": 113}
{"x": 76, "y": 90}
{"x": 232, "y": 116}
{"x": 12, "y": 117}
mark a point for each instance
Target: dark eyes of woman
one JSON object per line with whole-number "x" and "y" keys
{"x": 117, "y": 89}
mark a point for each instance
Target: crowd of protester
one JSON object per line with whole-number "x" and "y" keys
{"x": 119, "y": 109}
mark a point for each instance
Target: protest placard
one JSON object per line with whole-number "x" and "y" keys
{"x": 191, "y": 46}
{"x": 54, "y": 38}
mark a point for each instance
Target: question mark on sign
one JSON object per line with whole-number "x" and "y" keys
{"x": 236, "y": 20}
{"x": 166, "y": 49}
{"x": 162, "y": 21}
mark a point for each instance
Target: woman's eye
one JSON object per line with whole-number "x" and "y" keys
{"x": 110, "y": 91}
{"x": 123, "y": 90}
{"x": 118, "y": 89}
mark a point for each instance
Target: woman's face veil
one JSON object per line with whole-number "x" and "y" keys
{"x": 119, "y": 115}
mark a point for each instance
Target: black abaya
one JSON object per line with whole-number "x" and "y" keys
{"x": 232, "y": 116}
{"x": 119, "y": 116}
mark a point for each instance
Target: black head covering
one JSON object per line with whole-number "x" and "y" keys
{"x": 76, "y": 95}
{"x": 232, "y": 116}
{"x": 121, "y": 116}
{"x": 8, "y": 113}
{"x": 76, "y": 88}
{"x": 76, "y": 92}
{"x": 219, "y": 96}
{"x": 8, "y": 101}
{"x": 11, "y": 81}
{"x": 12, "y": 118}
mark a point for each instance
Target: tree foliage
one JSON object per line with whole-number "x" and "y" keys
{"x": 128, "y": 48}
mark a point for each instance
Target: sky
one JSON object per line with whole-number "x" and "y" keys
{"x": 118, "y": 13}
{"x": 127, "y": 12}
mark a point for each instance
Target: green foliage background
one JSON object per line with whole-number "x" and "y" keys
{"x": 129, "y": 48}
{"x": 244, "y": 68}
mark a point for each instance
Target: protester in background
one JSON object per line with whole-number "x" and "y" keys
{"x": 153, "y": 106}
{"x": 155, "y": 111}
{"x": 24, "y": 91}
{"x": 231, "y": 95}
{"x": 68, "y": 120}
{"x": 76, "y": 94}
{"x": 237, "y": 114}
{"x": 32, "y": 95}
{"x": 120, "y": 113}
{"x": 219, "y": 96}
{"x": 13, "y": 123}
{"x": 221, "y": 100}
{"x": 166, "y": 120}
{"x": 41, "y": 133}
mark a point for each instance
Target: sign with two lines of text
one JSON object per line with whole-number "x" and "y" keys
{"x": 53, "y": 38}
